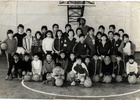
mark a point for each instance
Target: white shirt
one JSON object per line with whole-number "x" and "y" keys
{"x": 47, "y": 44}
{"x": 127, "y": 48}
{"x": 131, "y": 67}
{"x": 36, "y": 66}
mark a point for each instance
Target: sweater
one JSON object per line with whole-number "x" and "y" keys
{"x": 48, "y": 66}
{"x": 37, "y": 66}
{"x": 26, "y": 66}
{"x": 107, "y": 69}
{"x": 47, "y": 44}
{"x": 131, "y": 67}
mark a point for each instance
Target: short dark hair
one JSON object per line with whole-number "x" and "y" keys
{"x": 117, "y": 34}
{"x": 16, "y": 54}
{"x": 121, "y": 30}
{"x": 101, "y": 26}
{"x": 111, "y": 32}
{"x": 55, "y": 25}
{"x": 71, "y": 30}
{"x": 10, "y": 31}
{"x": 98, "y": 33}
{"x": 79, "y": 28}
{"x": 90, "y": 28}
{"x": 79, "y": 57}
{"x": 113, "y": 26}
{"x": 67, "y": 25}
{"x": 57, "y": 32}
{"x": 125, "y": 35}
{"x": 81, "y": 35}
{"x": 49, "y": 31}
{"x": 131, "y": 57}
{"x": 48, "y": 54}
{"x": 20, "y": 25}
{"x": 118, "y": 54}
{"x": 44, "y": 27}
{"x": 88, "y": 57}
{"x": 105, "y": 36}
{"x": 58, "y": 64}
{"x": 96, "y": 54}
{"x": 36, "y": 54}
{"x": 28, "y": 29}
{"x": 38, "y": 32}
{"x": 78, "y": 20}
{"x": 27, "y": 54}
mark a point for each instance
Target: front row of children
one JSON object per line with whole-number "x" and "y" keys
{"x": 72, "y": 69}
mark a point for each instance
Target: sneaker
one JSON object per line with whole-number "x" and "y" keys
{"x": 73, "y": 83}
{"x": 81, "y": 82}
{"x": 45, "y": 82}
{"x": 10, "y": 77}
{"x": 7, "y": 77}
{"x": 20, "y": 79}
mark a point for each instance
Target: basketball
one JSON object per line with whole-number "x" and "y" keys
{"x": 30, "y": 73}
{"x": 88, "y": 83}
{"x": 23, "y": 73}
{"x": 118, "y": 78}
{"x": 107, "y": 79}
{"x": 3, "y": 46}
{"x": 36, "y": 77}
{"x": 95, "y": 78}
{"x": 113, "y": 75}
{"x": 48, "y": 77}
{"x": 59, "y": 82}
{"x": 101, "y": 74}
{"x": 27, "y": 77}
{"x": 132, "y": 79}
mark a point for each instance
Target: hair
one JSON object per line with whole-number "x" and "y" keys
{"x": 71, "y": 30}
{"x": 67, "y": 26}
{"x": 78, "y": 20}
{"x": 79, "y": 57}
{"x": 79, "y": 28}
{"x": 113, "y": 26}
{"x": 98, "y": 34}
{"x": 90, "y": 28}
{"x": 48, "y": 54}
{"x": 10, "y": 32}
{"x": 27, "y": 54}
{"x": 44, "y": 27}
{"x": 121, "y": 30}
{"x": 105, "y": 36}
{"x": 56, "y": 35}
{"x": 117, "y": 34}
{"x": 131, "y": 57}
{"x": 36, "y": 54}
{"x": 20, "y": 25}
{"x": 118, "y": 54}
{"x": 81, "y": 35}
{"x": 28, "y": 29}
{"x": 38, "y": 32}
{"x": 58, "y": 64}
{"x": 55, "y": 25}
{"x": 107, "y": 55}
{"x": 88, "y": 57}
{"x": 16, "y": 54}
{"x": 96, "y": 54}
{"x": 49, "y": 31}
{"x": 125, "y": 35}
{"x": 111, "y": 32}
{"x": 101, "y": 26}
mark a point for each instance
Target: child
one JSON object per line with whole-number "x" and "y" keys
{"x": 28, "y": 40}
{"x": 19, "y": 36}
{"x": 127, "y": 48}
{"x": 48, "y": 66}
{"x": 17, "y": 63}
{"x": 97, "y": 39}
{"x": 79, "y": 71}
{"x": 47, "y": 43}
{"x": 43, "y": 31}
{"x": 12, "y": 46}
{"x": 121, "y": 32}
{"x": 37, "y": 44}
{"x": 112, "y": 28}
{"x": 55, "y": 27}
{"x": 81, "y": 48}
{"x": 132, "y": 66}
{"x": 78, "y": 32}
{"x": 97, "y": 65}
{"x": 70, "y": 42}
{"x": 26, "y": 65}
{"x": 58, "y": 72}
{"x": 67, "y": 27}
{"x": 90, "y": 41}
{"x": 36, "y": 65}
{"x": 101, "y": 29}
{"x": 111, "y": 40}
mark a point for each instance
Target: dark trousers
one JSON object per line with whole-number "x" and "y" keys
{"x": 9, "y": 57}
{"x": 17, "y": 72}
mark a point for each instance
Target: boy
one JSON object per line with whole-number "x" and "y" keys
{"x": 26, "y": 66}
{"x": 67, "y": 27}
{"x": 132, "y": 66}
{"x": 43, "y": 31}
{"x": 127, "y": 48}
{"x": 81, "y": 48}
{"x": 111, "y": 39}
{"x": 112, "y": 28}
{"x": 12, "y": 46}
{"x": 79, "y": 71}
{"x": 55, "y": 27}
{"x": 58, "y": 72}
{"x": 101, "y": 29}
{"x": 36, "y": 65}
{"x": 19, "y": 36}
{"x": 27, "y": 43}
{"x": 121, "y": 32}
{"x": 17, "y": 63}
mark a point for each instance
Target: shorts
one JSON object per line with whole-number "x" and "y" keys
{"x": 20, "y": 50}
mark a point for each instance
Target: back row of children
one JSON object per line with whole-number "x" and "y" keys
{"x": 82, "y": 43}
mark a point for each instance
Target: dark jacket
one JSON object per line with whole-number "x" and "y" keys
{"x": 26, "y": 66}
{"x": 59, "y": 44}
{"x": 119, "y": 68}
{"x": 107, "y": 69}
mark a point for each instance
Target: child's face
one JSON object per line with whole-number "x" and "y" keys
{"x": 10, "y": 35}
{"x": 62, "y": 55}
{"x": 131, "y": 60}
{"x": 38, "y": 36}
{"x": 43, "y": 30}
{"x": 26, "y": 58}
{"x": 79, "y": 61}
{"x": 28, "y": 33}
{"x": 16, "y": 57}
{"x": 20, "y": 29}
{"x": 82, "y": 22}
{"x": 95, "y": 57}
{"x": 67, "y": 28}
{"x": 87, "y": 60}
{"x": 91, "y": 32}
{"x": 101, "y": 30}
{"x": 110, "y": 35}
{"x": 79, "y": 32}
{"x": 49, "y": 35}
{"x": 121, "y": 33}
{"x": 49, "y": 57}
{"x": 72, "y": 56}
{"x": 55, "y": 28}
{"x": 111, "y": 29}
{"x": 70, "y": 34}
{"x": 126, "y": 39}
{"x": 116, "y": 37}
{"x": 103, "y": 38}
{"x": 59, "y": 34}
{"x": 36, "y": 58}
{"x": 118, "y": 58}
{"x": 113, "y": 58}
{"x": 107, "y": 58}
{"x": 82, "y": 38}
{"x": 99, "y": 36}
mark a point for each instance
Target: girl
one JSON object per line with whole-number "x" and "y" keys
{"x": 78, "y": 32}
{"x": 37, "y": 44}
{"x": 97, "y": 39}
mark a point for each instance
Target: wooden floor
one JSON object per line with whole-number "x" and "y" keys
{"x": 14, "y": 89}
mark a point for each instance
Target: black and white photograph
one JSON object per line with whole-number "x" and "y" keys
{"x": 70, "y": 49}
